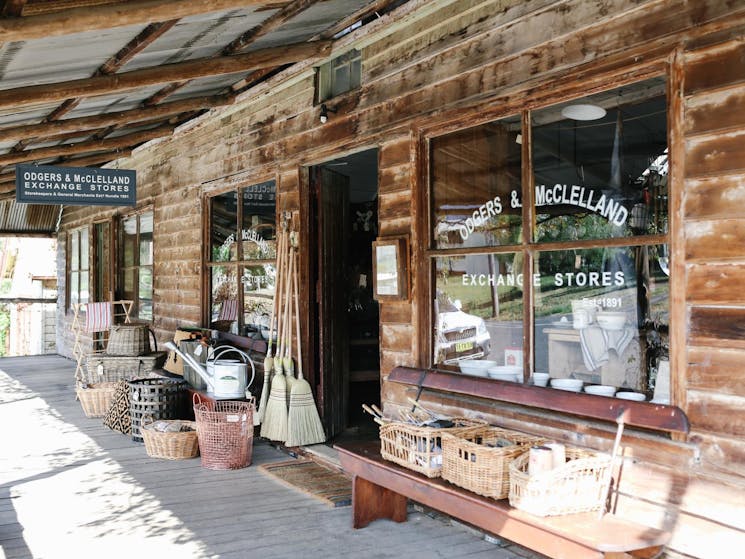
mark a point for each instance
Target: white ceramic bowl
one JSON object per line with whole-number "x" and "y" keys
{"x": 540, "y": 379}
{"x": 570, "y": 384}
{"x": 505, "y": 372}
{"x": 476, "y": 367}
{"x": 635, "y": 396}
{"x": 600, "y": 390}
{"x": 611, "y": 320}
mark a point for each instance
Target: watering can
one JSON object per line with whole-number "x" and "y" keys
{"x": 225, "y": 378}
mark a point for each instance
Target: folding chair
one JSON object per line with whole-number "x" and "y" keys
{"x": 99, "y": 318}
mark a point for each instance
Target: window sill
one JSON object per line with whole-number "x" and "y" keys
{"x": 641, "y": 414}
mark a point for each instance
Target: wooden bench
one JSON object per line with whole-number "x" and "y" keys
{"x": 381, "y": 490}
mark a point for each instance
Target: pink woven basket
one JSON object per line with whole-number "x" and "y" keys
{"x": 225, "y": 430}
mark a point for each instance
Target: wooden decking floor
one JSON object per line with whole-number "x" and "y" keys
{"x": 71, "y": 488}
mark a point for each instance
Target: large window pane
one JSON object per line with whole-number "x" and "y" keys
{"x": 145, "y": 293}
{"x": 258, "y": 295}
{"x": 257, "y": 230}
{"x": 129, "y": 241}
{"x": 84, "y": 249}
{"x": 475, "y": 174}
{"x": 224, "y": 307}
{"x": 224, "y": 220}
{"x": 601, "y": 315}
{"x": 478, "y": 308}
{"x": 600, "y": 165}
{"x": 146, "y": 239}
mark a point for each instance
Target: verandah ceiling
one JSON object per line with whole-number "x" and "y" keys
{"x": 83, "y": 82}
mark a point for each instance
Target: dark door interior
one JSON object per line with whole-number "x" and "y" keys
{"x": 348, "y": 321}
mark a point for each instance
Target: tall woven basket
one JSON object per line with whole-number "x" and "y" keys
{"x": 225, "y": 430}
{"x": 160, "y": 398}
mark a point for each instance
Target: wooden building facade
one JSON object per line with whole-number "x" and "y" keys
{"x": 431, "y": 71}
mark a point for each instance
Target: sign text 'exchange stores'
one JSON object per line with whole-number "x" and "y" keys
{"x": 75, "y": 186}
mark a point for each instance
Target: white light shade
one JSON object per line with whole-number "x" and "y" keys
{"x": 583, "y": 112}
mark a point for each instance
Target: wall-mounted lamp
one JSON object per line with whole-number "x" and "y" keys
{"x": 325, "y": 112}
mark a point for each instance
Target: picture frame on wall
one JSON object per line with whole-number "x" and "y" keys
{"x": 390, "y": 269}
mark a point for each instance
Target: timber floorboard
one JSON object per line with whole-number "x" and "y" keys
{"x": 71, "y": 488}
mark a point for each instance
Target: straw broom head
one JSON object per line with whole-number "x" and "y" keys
{"x": 303, "y": 423}
{"x": 274, "y": 424}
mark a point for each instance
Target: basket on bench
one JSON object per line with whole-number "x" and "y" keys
{"x": 476, "y": 461}
{"x": 419, "y": 448}
{"x": 580, "y": 485}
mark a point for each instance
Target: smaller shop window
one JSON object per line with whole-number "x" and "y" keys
{"x": 78, "y": 265}
{"x": 242, "y": 259}
{"x": 342, "y": 74}
{"x": 136, "y": 264}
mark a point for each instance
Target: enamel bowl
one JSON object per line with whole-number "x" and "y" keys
{"x": 600, "y": 390}
{"x": 505, "y": 372}
{"x": 635, "y": 396}
{"x": 570, "y": 384}
{"x": 476, "y": 367}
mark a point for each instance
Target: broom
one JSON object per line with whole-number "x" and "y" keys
{"x": 268, "y": 361}
{"x": 287, "y": 363}
{"x": 274, "y": 425}
{"x": 303, "y": 425}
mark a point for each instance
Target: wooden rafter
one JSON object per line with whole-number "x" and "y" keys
{"x": 94, "y": 18}
{"x": 88, "y": 146}
{"x": 203, "y": 67}
{"x": 240, "y": 43}
{"x": 95, "y": 122}
{"x": 111, "y": 66}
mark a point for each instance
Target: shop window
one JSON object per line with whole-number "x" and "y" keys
{"x": 242, "y": 259}
{"x": 136, "y": 263}
{"x": 596, "y": 251}
{"x": 78, "y": 279}
{"x": 342, "y": 74}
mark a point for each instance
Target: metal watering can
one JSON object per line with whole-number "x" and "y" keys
{"x": 225, "y": 378}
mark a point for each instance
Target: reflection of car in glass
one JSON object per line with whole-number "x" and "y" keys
{"x": 459, "y": 335}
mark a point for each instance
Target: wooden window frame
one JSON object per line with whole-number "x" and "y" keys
{"x": 72, "y": 237}
{"x": 528, "y": 246}
{"x": 135, "y": 312}
{"x": 240, "y": 263}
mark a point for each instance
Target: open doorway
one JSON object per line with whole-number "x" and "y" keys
{"x": 348, "y": 349}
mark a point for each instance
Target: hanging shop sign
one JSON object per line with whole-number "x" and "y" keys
{"x": 75, "y": 186}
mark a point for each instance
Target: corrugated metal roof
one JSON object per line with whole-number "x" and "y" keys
{"x": 89, "y": 54}
{"x": 27, "y": 218}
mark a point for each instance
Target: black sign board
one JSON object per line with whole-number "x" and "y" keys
{"x": 75, "y": 186}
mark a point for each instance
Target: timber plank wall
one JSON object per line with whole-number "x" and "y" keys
{"x": 439, "y": 65}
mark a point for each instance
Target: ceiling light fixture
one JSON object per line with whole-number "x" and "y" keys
{"x": 325, "y": 112}
{"x": 583, "y": 112}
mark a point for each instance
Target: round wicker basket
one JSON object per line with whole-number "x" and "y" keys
{"x": 96, "y": 398}
{"x": 170, "y": 445}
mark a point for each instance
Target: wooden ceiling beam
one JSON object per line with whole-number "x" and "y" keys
{"x": 94, "y": 18}
{"x": 203, "y": 67}
{"x": 109, "y": 144}
{"x": 234, "y": 47}
{"x": 94, "y": 122}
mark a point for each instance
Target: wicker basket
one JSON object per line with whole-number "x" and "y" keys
{"x": 475, "y": 462}
{"x": 96, "y": 398}
{"x": 130, "y": 340}
{"x": 111, "y": 368}
{"x": 161, "y": 398}
{"x": 580, "y": 485}
{"x": 420, "y": 448}
{"x": 225, "y": 429}
{"x": 170, "y": 445}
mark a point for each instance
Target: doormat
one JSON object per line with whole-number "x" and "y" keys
{"x": 331, "y": 487}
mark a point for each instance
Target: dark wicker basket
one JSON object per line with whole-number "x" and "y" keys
{"x": 160, "y": 398}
